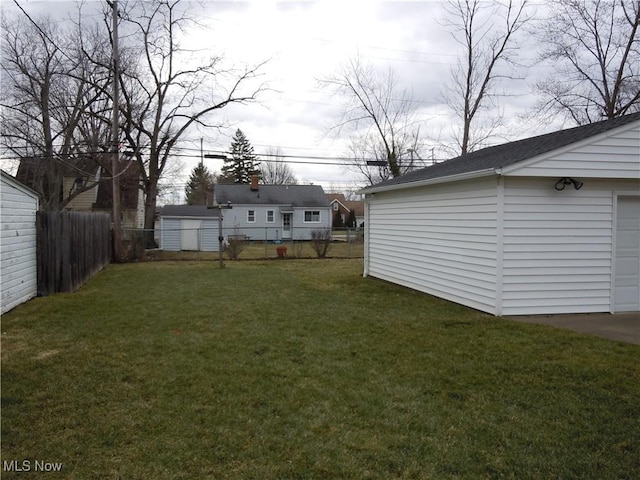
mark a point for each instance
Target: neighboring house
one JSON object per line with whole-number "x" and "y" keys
{"x": 189, "y": 227}
{"x": 18, "y": 261}
{"x": 131, "y": 196}
{"x": 87, "y": 185}
{"x": 339, "y": 204}
{"x": 273, "y": 212}
{"x": 544, "y": 225}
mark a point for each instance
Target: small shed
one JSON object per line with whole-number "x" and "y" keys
{"x": 189, "y": 227}
{"x": 544, "y": 225}
{"x": 18, "y": 260}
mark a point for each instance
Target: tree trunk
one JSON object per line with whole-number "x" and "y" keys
{"x": 150, "y": 213}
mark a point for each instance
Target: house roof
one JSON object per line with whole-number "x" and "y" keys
{"x": 129, "y": 187}
{"x": 336, "y": 197}
{"x": 294, "y": 195}
{"x": 500, "y": 156}
{"x": 188, "y": 211}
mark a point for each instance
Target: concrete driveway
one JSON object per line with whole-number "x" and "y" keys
{"x": 623, "y": 327}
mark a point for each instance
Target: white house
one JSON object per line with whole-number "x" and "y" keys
{"x": 18, "y": 262}
{"x": 544, "y": 225}
{"x": 273, "y": 212}
{"x": 189, "y": 227}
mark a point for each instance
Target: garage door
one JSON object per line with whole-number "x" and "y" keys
{"x": 627, "y": 256}
{"x": 191, "y": 234}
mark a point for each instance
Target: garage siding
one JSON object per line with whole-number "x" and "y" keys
{"x": 18, "y": 268}
{"x": 437, "y": 241}
{"x": 210, "y": 235}
{"x": 557, "y": 246}
{"x": 171, "y": 234}
{"x": 171, "y": 231}
{"x": 614, "y": 155}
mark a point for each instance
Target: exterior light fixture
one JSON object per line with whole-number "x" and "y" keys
{"x": 564, "y": 181}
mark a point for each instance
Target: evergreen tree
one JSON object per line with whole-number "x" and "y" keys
{"x": 199, "y": 189}
{"x": 352, "y": 221}
{"x": 337, "y": 220}
{"x": 242, "y": 164}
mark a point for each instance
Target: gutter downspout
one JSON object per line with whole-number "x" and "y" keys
{"x": 499, "y": 242}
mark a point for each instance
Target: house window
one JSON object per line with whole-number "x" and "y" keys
{"x": 270, "y": 216}
{"x": 251, "y": 216}
{"x": 335, "y": 207}
{"x": 312, "y": 216}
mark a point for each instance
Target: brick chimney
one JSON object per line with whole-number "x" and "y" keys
{"x": 254, "y": 183}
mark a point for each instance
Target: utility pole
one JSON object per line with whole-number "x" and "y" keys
{"x": 115, "y": 162}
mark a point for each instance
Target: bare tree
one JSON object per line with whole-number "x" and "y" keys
{"x": 382, "y": 118}
{"x": 164, "y": 94}
{"x": 594, "y": 48}
{"x": 274, "y": 169}
{"x": 486, "y": 31}
{"x": 53, "y": 101}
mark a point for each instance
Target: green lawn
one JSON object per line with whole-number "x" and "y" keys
{"x": 303, "y": 369}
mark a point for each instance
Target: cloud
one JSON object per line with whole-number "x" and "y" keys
{"x": 305, "y": 40}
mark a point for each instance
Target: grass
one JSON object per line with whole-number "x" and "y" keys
{"x": 303, "y": 369}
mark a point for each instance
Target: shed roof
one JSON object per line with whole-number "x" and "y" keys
{"x": 188, "y": 211}
{"x": 294, "y": 195}
{"x": 18, "y": 184}
{"x": 500, "y": 156}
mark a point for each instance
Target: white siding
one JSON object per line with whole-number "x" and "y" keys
{"x": 557, "y": 246}
{"x": 18, "y": 268}
{"x": 607, "y": 156}
{"x": 439, "y": 240}
{"x": 210, "y": 236}
{"x": 172, "y": 228}
{"x": 235, "y": 222}
{"x": 171, "y": 234}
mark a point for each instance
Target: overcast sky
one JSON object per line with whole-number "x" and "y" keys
{"x": 303, "y": 41}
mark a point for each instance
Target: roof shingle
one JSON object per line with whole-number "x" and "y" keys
{"x": 294, "y": 195}
{"x": 500, "y": 156}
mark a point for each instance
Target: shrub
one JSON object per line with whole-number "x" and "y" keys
{"x": 298, "y": 248}
{"x": 320, "y": 241}
{"x": 235, "y": 245}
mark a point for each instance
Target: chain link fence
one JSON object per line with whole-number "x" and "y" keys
{"x": 202, "y": 243}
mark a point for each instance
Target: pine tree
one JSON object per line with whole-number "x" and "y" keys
{"x": 199, "y": 189}
{"x": 352, "y": 221}
{"x": 242, "y": 164}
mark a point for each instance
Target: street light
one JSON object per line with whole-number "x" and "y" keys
{"x": 221, "y": 207}
{"x": 215, "y": 155}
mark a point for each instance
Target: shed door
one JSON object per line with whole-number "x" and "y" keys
{"x": 191, "y": 234}
{"x": 627, "y": 256}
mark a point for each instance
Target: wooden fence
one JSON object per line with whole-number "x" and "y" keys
{"x": 72, "y": 247}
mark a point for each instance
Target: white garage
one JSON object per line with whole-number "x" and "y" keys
{"x": 543, "y": 225}
{"x": 189, "y": 227}
{"x": 18, "y": 260}
{"x": 626, "y": 285}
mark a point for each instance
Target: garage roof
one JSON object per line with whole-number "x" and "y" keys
{"x": 500, "y": 156}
